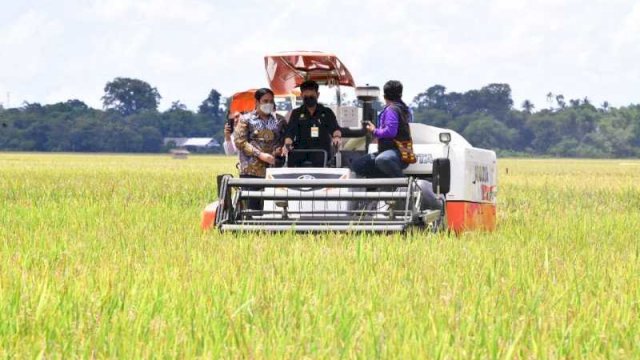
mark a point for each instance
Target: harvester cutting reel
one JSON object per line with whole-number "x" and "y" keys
{"x": 312, "y": 204}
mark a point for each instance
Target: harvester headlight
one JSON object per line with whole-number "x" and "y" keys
{"x": 445, "y": 137}
{"x": 367, "y": 93}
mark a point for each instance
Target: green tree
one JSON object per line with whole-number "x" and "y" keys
{"x": 496, "y": 100}
{"x": 487, "y": 132}
{"x": 151, "y": 139}
{"x": 180, "y": 122}
{"x": 543, "y": 129}
{"x": 130, "y": 96}
{"x": 211, "y": 114}
{"x": 433, "y": 98}
{"x": 211, "y": 105}
{"x": 550, "y": 99}
{"x": 87, "y": 135}
{"x": 528, "y": 106}
{"x": 177, "y": 105}
{"x": 432, "y": 117}
{"x": 560, "y": 100}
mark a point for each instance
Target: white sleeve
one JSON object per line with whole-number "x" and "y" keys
{"x": 230, "y": 147}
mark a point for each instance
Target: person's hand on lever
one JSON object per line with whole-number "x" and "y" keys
{"x": 337, "y": 139}
{"x": 369, "y": 126}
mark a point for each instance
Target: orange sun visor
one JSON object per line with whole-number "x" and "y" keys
{"x": 286, "y": 71}
{"x": 243, "y": 101}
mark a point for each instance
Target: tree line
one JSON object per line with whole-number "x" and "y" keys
{"x": 130, "y": 122}
{"x": 573, "y": 128}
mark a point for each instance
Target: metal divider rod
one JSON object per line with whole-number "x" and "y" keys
{"x": 410, "y": 190}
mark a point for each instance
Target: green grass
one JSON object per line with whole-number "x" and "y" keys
{"x": 101, "y": 256}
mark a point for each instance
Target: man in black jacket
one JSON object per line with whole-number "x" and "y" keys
{"x": 312, "y": 126}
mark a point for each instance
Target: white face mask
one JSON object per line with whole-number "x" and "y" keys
{"x": 266, "y": 108}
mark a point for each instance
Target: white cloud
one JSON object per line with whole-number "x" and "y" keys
{"x": 62, "y": 94}
{"x": 153, "y": 10}
{"x": 25, "y": 42}
{"x": 629, "y": 31}
{"x": 184, "y": 48}
{"x": 164, "y": 62}
{"x": 24, "y": 28}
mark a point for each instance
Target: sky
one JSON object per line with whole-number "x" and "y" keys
{"x": 52, "y": 51}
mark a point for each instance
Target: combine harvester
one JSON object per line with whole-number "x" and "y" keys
{"x": 328, "y": 197}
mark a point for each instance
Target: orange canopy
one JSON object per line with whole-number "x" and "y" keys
{"x": 286, "y": 71}
{"x": 243, "y": 101}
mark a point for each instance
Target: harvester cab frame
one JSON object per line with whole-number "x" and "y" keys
{"x": 331, "y": 198}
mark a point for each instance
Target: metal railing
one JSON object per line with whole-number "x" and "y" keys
{"x": 318, "y": 204}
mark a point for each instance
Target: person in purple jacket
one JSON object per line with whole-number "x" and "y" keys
{"x": 393, "y": 124}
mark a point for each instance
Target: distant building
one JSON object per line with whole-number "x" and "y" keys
{"x": 201, "y": 142}
{"x": 194, "y": 144}
{"x": 174, "y": 141}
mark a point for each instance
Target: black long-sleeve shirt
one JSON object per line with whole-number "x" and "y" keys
{"x": 301, "y": 123}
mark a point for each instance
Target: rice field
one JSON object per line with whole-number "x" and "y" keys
{"x": 101, "y": 256}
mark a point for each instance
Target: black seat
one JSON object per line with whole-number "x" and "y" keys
{"x": 309, "y": 158}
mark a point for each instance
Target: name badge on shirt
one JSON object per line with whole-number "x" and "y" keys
{"x": 315, "y": 132}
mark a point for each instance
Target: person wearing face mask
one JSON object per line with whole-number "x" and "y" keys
{"x": 312, "y": 126}
{"x": 258, "y": 136}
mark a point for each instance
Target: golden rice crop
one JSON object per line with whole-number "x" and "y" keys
{"x": 101, "y": 256}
